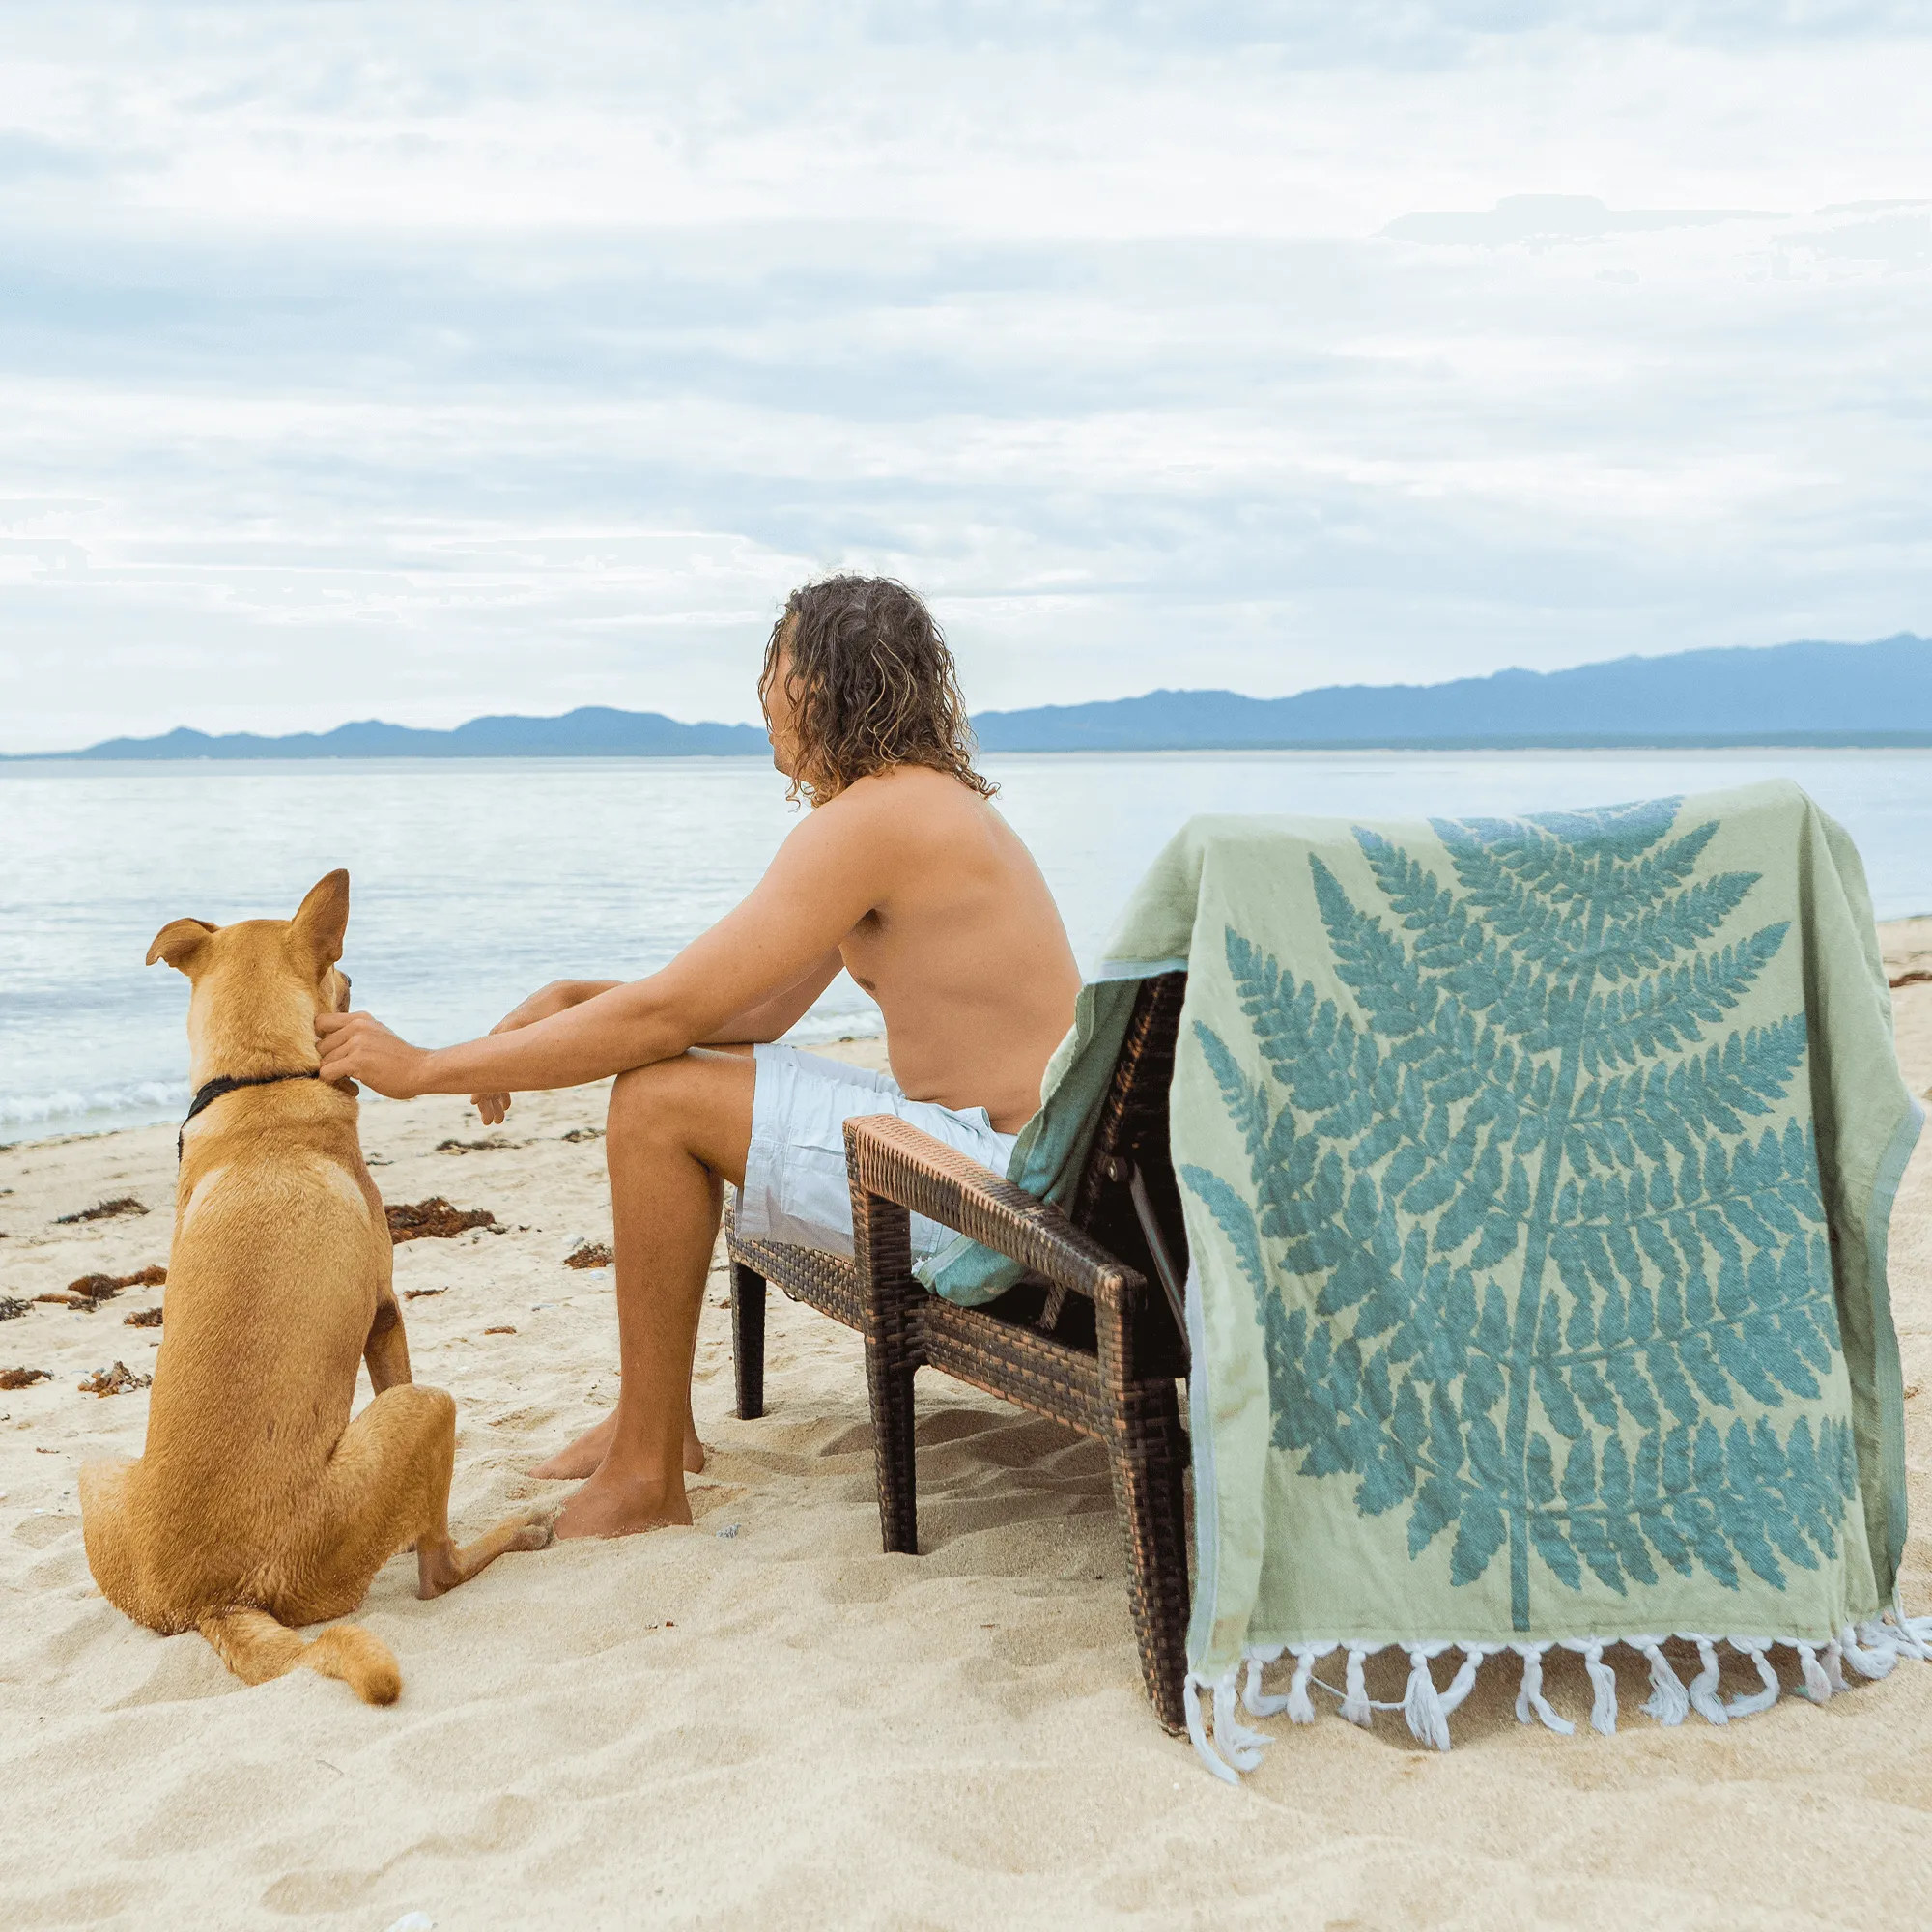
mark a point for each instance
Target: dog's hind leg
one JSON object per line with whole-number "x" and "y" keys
{"x": 387, "y": 1351}
{"x": 257, "y": 1648}
{"x": 104, "y": 1530}
{"x": 441, "y": 1564}
{"x": 385, "y": 1486}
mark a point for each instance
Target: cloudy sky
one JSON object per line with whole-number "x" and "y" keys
{"x": 422, "y": 360}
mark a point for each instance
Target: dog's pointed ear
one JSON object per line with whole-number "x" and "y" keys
{"x": 323, "y": 917}
{"x": 179, "y": 941}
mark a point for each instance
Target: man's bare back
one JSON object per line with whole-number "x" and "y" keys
{"x": 964, "y": 949}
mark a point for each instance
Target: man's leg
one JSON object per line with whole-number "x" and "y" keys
{"x": 678, "y": 1130}
{"x": 584, "y": 1457}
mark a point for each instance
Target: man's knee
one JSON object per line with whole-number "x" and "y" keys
{"x": 645, "y": 1104}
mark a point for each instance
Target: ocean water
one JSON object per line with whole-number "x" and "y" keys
{"x": 473, "y": 883}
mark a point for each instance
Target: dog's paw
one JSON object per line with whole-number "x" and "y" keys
{"x": 539, "y": 1532}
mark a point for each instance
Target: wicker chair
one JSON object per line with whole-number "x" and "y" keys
{"x": 1092, "y": 1336}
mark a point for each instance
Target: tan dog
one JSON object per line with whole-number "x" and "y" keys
{"x": 258, "y": 1503}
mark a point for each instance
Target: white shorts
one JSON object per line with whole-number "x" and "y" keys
{"x": 795, "y": 1185}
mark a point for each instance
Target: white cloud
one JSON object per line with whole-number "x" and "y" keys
{"x": 430, "y": 362}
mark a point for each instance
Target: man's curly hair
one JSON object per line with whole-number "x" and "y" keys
{"x": 873, "y": 683}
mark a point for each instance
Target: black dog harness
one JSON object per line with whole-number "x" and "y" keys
{"x": 206, "y": 1097}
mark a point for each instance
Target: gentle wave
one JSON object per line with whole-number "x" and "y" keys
{"x": 817, "y": 1028}
{"x": 116, "y": 1106}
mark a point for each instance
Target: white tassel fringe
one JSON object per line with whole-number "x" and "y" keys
{"x": 1668, "y": 1702}
{"x": 1530, "y": 1697}
{"x": 1422, "y": 1705}
{"x": 1257, "y": 1703}
{"x": 1602, "y": 1684}
{"x": 1704, "y": 1698}
{"x": 1239, "y": 1745}
{"x": 1873, "y": 1649}
{"x": 1911, "y": 1637}
{"x": 1817, "y": 1685}
{"x": 1190, "y": 1698}
{"x": 1869, "y": 1650}
{"x": 1300, "y": 1707}
{"x": 1355, "y": 1706}
{"x": 1754, "y": 1648}
{"x": 1464, "y": 1680}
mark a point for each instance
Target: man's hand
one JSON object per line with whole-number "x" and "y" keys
{"x": 554, "y": 998}
{"x": 355, "y": 1046}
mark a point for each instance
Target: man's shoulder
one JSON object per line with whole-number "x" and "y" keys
{"x": 882, "y": 825}
{"x": 906, "y": 797}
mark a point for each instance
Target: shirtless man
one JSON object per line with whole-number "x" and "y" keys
{"x": 903, "y": 873}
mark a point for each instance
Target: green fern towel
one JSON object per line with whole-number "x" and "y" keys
{"x": 1537, "y": 1177}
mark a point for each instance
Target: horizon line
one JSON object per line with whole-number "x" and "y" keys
{"x": 1498, "y": 741}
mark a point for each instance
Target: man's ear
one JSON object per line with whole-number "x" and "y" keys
{"x": 322, "y": 919}
{"x": 179, "y": 941}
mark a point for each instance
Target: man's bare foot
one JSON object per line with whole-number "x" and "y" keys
{"x": 620, "y": 1505}
{"x": 586, "y": 1456}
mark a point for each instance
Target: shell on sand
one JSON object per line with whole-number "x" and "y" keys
{"x": 781, "y": 1726}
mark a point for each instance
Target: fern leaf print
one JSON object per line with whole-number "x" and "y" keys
{"x": 1569, "y": 1265}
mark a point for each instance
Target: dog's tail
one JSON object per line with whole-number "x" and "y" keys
{"x": 256, "y": 1648}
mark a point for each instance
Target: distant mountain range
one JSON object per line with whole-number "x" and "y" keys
{"x": 591, "y": 731}
{"x": 1783, "y": 694}
{"x": 1804, "y": 694}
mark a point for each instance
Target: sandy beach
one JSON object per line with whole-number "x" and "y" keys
{"x": 764, "y": 1722}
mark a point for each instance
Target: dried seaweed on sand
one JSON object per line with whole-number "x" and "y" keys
{"x": 19, "y": 1379}
{"x": 433, "y": 1219}
{"x": 116, "y": 1381}
{"x": 103, "y": 1211}
{"x": 12, "y": 1306}
{"x": 143, "y": 1318}
{"x": 92, "y": 1290}
{"x": 589, "y": 1255}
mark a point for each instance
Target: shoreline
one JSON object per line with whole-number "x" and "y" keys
{"x": 1905, "y": 945}
{"x": 859, "y": 1040}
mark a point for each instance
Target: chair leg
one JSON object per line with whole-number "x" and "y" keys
{"x": 891, "y": 1389}
{"x": 748, "y": 1338}
{"x": 1146, "y": 1466}
{"x": 893, "y": 1324}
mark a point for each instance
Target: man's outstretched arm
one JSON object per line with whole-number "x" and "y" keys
{"x": 771, "y": 1018}
{"x": 767, "y": 1019}
{"x": 827, "y": 874}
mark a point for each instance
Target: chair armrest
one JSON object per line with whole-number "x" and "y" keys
{"x": 893, "y": 1161}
